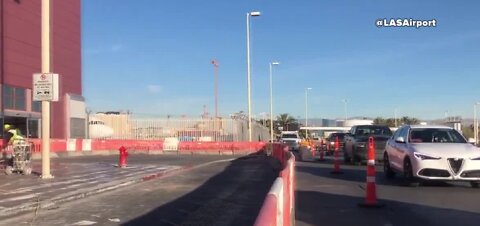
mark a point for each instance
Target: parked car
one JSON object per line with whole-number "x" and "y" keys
{"x": 431, "y": 153}
{"x": 356, "y": 142}
{"x": 291, "y": 139}
{"x": 331, "y": 139}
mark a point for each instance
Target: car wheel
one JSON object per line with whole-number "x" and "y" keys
{"x": 355, "y": 159}
{"x": 475, "y": 184}
{"x": 408, "y": 177}
{"x": 346, "y": 158}
{"x": 387, "y": 170}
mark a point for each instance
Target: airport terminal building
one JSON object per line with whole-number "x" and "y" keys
{"x": 20, "y": 58}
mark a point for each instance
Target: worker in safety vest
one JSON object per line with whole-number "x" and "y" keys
{"x": 12, "y": 135}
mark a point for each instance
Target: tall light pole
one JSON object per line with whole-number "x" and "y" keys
{"x": 250, "y": 14}
{"x": 215, "y": 65}
{"x": 271, "y": 100}
{"x": 45, "y": 39}
{"x": 345, "y": 108}
{"x": 395, "y": 116}
{"x": 475, "y": 122}
{"x": 306, "y": 111}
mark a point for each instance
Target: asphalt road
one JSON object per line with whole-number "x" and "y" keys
{"x": 327, "y": 199}
{"x": 222, "y": 193}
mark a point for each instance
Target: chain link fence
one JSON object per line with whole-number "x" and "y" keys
{"x": 127, "y": 126}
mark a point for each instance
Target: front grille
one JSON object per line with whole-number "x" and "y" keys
{"x": 434, "y": 173}
{"x": 455, "y": 164}
{"x": 471, "y": 173}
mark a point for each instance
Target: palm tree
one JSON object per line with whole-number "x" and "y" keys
{"x": 285, "y": 120}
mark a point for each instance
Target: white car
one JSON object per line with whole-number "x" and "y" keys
{"x": 431, "y": 153}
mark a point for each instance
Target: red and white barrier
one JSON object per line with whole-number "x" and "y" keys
{"x": 92, "y": 145}
{"x": 281, "y": 196}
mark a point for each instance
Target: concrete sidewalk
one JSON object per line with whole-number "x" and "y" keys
{"x": 78, "y": 177}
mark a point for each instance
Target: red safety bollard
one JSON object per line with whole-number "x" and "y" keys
{"x": 336, "y": 168}
{"x": 122, "y": 161}
{"x": 371, "y": 191}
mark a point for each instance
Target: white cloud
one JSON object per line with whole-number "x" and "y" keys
{"x": 154, "y": 88}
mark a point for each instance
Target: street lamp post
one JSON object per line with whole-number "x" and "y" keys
{"x": 345, "y": 109}
{"x": 45, "y": 50}
{"x": 475, "y": 122}
{"x": 250, "y": 14}
{"x": 306, "y": 111}
{"x": 271, "y": 100}
{"x": 395, "y": 116}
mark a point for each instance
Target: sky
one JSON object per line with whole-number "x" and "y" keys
{"x": 154, "y": 57}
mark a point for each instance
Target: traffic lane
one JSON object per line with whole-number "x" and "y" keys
{"x": 323, "y": 198}
{"x": 225, "y": 193}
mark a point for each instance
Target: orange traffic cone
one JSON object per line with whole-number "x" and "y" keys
{"x": 312, "y": 149}
{"x": 321, "y": 151}
{"x": 371, "y": 192}
{"x": 336, "y": 167}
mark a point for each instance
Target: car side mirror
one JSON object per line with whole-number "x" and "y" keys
{"x": 471, "y": 140}
{"x": 400, "y": 140}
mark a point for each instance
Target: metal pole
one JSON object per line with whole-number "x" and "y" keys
{"x": 46, "y": 104}
{"x": 306, "y": 112}
{"x": 248, "y": 81}
{"x": 395, "y": 115}
{"x": 475, "y": 123}
{"x": 271, "y": 105}
{"x": 345, "y": 108}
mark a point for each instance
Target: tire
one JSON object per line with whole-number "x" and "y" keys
{"x": 8, "y": 170}
{"x": 355, "y": 160}
{"x": 475, "y": 184}
{"x": 408, "y": 177}
{"x": 346, "y": 158}
{"x": 387, "y": 170}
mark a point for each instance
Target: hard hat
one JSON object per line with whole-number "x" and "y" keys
{"x": 6, "y": 126}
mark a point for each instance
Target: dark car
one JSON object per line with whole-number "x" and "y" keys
{"x": 330, "y": 142}
{"x": 356, "y": 142}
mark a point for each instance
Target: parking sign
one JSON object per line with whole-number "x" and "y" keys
{"x": 45, "y": 87}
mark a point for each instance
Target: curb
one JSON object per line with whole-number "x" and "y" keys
{"x": 47, "y": 203}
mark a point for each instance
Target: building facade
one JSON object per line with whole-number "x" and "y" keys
{"x": 20, "y": 58}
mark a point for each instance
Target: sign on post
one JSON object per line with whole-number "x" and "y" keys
{"x": 45, "y": 87}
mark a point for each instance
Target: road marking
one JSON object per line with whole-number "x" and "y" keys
{"x": 20, "y": 197}
{"x": 114, "y": 219}
{"x": 85, "y": 223}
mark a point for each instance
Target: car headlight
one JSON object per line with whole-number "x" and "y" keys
{"x": 425, "y": 157}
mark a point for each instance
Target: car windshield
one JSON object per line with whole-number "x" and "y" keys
{"x": 435, "y": 135}
{"x": 374, "y": 131}
{"x": 289, "y": 136}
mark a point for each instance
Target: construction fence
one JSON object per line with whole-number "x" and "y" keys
{"x": 126, "y": 126}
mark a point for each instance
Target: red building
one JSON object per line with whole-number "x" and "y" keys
{"x": 20, "y": 57}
